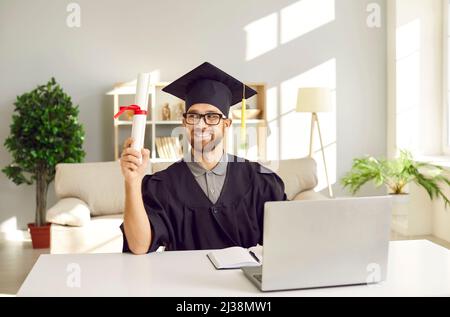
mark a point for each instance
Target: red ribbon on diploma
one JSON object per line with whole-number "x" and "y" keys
{"x": 135, "y": 108}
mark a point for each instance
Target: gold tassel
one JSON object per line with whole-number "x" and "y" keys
{"x": 243, "y": 123}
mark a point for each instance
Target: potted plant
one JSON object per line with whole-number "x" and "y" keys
{"x": 44, "y": 132}
{"x": 396, "y": 174}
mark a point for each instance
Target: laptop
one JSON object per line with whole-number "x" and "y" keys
{"x": 323, "y": 243}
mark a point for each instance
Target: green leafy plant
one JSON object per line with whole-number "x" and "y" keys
{"x": 44, "y": 132}
{"x": 396, "y": 174}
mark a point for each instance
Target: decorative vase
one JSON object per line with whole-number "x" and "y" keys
{"x": 129, "y": 115}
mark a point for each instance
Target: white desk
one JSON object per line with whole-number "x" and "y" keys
{"x": 416, "y": 268}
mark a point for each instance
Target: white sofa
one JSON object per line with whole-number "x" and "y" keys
{"x": 89, "y": 211}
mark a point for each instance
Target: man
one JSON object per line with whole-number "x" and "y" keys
{"x": 210, "y": 200}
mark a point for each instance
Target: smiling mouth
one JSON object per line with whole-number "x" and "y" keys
{"x": 202, "y": 135}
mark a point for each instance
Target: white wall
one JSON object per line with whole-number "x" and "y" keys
{"x": 255, "y": 40}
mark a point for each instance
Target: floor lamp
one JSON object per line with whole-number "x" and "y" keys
{"x": 314, "y": 100}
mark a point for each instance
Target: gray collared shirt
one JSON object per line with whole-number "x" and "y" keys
{"x": 211, "y": 182}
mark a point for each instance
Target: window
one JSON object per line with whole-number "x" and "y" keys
{"x": 446, "y": 97}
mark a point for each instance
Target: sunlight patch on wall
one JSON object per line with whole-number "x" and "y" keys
{"x": 261, "y": 36}
{"x": 10, "y": 232}
{"x": 8, "y": 225}
{"x": 291, "y": 22}
{"x": 305, "y": 16}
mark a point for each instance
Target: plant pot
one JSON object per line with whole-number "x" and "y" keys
{"x": 40, "y": 236}
{"x": 400, "y": 212}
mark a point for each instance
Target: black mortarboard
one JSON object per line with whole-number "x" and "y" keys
{"x": 208, "y": 84}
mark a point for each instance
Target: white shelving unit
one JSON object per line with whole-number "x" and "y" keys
{"x": 123, "y": 94}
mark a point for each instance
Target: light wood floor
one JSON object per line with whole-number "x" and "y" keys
{"x": 18, "y": 257}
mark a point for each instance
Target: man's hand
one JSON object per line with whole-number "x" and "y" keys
{"x": 135, "y": 221}
{"x": 133, "y": 171}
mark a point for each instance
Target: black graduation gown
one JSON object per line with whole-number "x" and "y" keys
{"x": 183, "y": 218}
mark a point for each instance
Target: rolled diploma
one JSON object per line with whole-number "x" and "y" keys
{"x": 140, "y": 120}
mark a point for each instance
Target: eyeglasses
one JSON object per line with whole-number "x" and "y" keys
{"x": 210, "y": 118}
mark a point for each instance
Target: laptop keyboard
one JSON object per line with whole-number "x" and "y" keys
{"x": 258, "y": 277}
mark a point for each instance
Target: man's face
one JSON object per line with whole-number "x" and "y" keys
{"x": 202, "y": 136}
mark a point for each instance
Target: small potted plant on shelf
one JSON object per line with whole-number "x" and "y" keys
{"x": 44, "y": 132}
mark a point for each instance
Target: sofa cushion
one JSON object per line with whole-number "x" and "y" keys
{"x": 298, "y": 175}
{"x": 100, "y": 185}
{"x": 69, "y": 212}
{"x": 309, "y": 195}
{"x": 100, "y": 235}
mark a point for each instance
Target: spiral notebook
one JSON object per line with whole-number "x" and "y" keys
{"x": 236, "y": 257}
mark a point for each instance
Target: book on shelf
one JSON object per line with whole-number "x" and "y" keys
{"x": 169, "y": 148}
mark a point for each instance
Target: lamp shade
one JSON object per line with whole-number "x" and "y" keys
{"x": 316, "y": 99}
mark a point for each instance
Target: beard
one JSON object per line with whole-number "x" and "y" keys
{"x": 208, "y": 144}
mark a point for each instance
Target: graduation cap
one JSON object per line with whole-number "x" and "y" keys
{"x": 209, "y": 84}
